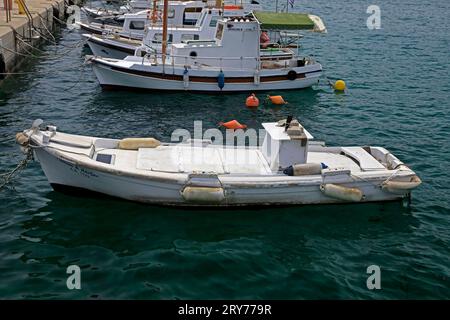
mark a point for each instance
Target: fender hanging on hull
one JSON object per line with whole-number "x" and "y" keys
{"x": 341, "y": 192}
{"x": 401, "y": 186}
{"x": 203, "y": 195}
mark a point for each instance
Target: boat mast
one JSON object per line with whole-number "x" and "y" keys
{"x": 164, "y": 39}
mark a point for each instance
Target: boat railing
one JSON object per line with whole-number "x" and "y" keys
{"x": 242, "y": 63}
{"x": 199, "y": 61}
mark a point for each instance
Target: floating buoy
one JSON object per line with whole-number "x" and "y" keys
{"x": 339, "y": 85}
{"x": 252, "y": 101}
{"x": 233, "y": 124}
{"x": 278, "y": 100}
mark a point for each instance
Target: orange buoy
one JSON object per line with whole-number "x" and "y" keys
{"x": 252, "y": 101}
{"x": 233, "y": 124}
{"x": 277, "y": 100}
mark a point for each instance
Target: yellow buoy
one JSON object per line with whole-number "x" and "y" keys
{"x": 339, "y": 85}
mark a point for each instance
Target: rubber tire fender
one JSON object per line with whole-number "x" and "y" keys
{"x": 292, "y": 75}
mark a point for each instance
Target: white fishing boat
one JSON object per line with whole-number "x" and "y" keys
{"x": 132, "y": 24}
{"x": 289, "y": 168}
{"x": 112, "y": 45}
{"x": 189, "y": 9}
{"x": 233, "y": 61}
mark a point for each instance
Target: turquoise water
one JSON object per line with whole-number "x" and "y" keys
{"x": 398, "y": 97}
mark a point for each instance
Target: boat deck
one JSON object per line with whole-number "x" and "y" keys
{"x": 179, "y": 159}
{"x": 186, "y": 159}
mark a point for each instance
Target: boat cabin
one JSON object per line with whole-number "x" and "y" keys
{"x": 179, "y": 13}
{"x": 234, "y": 37}
{"x": 238, "y": 44}
{"x": 204, "y": 29}
{"x": 285, "y": 145}
{"x": 135, "y": 22}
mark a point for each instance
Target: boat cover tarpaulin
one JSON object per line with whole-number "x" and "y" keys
{"x": 284, "y": 21}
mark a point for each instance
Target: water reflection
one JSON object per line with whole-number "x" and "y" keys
{"x": 120, "y": 223}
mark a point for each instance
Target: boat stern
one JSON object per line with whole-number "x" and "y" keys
{"x": 403, "y": 179}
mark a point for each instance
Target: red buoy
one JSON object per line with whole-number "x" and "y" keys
{"x": 233, "y": 124}
{"x": 252, "y": 101}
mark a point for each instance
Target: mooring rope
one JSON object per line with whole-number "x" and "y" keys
{"x": 29, "y": 45}
{"x": 45, "y": 27}
{"x": 55, "y": 56}
{"x": 59, "y": 20}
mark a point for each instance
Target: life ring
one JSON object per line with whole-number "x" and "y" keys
{"x": 292, "y": 75}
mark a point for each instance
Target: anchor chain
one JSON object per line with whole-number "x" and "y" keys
{"x": 6, "y": 178}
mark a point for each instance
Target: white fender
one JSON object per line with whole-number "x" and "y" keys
{"x": 319, "y": 26}
{"x": 307, "y": 169}
{"x": 203, "y": 194}
{"x": 342, "y": 193}
{"x": 136, "y": 143}
{"x": 256, "y": 78}
{"x": 186, "y": 80}
{"x": 22, "y": 139}
{"x": 401, "y": 186}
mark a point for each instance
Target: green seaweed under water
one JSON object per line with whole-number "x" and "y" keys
{"x": 397, "y": 97}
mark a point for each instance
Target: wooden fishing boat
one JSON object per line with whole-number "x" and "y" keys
{"x": 113, "y": 45}
{"x": 233, "y": 61}
{"x": 131, "y": 23}
{"x": 289, "y": 168}
{"x": 187, "y": 11}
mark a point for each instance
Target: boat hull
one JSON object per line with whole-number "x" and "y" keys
{"x": 201, "y": 81}
{"x": 69, "y": 176}
{"x": 110, "y": 49}
{"x": 101, "y": 29}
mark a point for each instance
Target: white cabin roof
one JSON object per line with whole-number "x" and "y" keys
{"x": 278, "y": 133}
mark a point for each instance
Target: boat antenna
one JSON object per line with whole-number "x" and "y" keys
{"x": 164, "y": 39}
